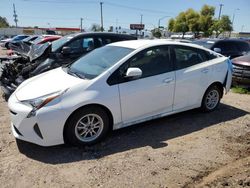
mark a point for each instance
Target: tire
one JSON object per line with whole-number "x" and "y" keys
{"x": 211, "y": 99}
{"x": 82, "y": 127}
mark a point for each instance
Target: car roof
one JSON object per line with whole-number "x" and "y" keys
{"x": 137, "y": 44}
{"x": 221, "y": 40}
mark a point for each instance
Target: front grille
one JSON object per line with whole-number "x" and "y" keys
{"x": 241, "y": 71}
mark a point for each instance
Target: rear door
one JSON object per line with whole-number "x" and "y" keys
{"x": 193, "y": 73}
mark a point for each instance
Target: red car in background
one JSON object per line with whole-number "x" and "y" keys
{"x": 241, "y": 71}
{"x": 46, "y": 38}
{"x": 40, "y": 40}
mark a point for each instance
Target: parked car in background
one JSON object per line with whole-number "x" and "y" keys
{"x": 241, "y": 70}
{"x": 245, "y": 39}
{"x": 115, "y": 86}
{"x": 3, "y": 41}
{"x": 37, "y": 41}
{"x": 46, "y": 38}
{"x": 36, "y": 59}
{"x": 228, "y": 47}
{"x": 15, "y": 39}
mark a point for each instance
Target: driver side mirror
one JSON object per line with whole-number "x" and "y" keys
{"x": 218, "y": 50}
{"x": 66, "y": 50}
{"x": 133, "y": 73}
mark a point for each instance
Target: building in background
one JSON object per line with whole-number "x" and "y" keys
{"x": 9, "y": 32}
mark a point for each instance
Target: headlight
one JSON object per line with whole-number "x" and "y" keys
{"x": 42, "y": 101}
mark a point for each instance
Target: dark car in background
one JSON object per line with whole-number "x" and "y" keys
{"x": 228, "y": 47}
{"x": 69, "y": 48}
{"x": 241, "y": 70}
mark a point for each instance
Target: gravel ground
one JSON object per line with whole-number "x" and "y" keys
{"x": 190, "y": 149}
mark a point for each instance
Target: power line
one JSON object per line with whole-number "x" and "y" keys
{"x": 61, "y": 2}
{"x": 96, "y": 2}
{"x": 136, "y": 8}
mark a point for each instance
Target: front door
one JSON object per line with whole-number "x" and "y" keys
{"x": 152, "y": 94}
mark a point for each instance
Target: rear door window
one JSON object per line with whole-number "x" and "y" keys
{"x": 88, "y": 44}
{"x": 76, "y": 46}
{"x": 243, "y": 46}
{"x": 187, "y": 56}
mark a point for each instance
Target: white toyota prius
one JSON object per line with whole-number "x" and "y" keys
{"x": 115, "y": 86}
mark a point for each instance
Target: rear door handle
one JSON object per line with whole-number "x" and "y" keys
{"x": 205, "y": 70}
{"x": 168, "y": 80}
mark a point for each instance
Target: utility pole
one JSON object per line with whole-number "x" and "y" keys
{"x": 234, "y": 15}
{"x": 81, "y": 24}
{"x": 242, "y": 27}
{"x": 221, "y": 5}
{"x": 15, "y": 15}
{"x": 101, "y": 3}
{"x": 159, "y": 21}
{"x": 233, "y": 20}
{"x": 141, "y": 24}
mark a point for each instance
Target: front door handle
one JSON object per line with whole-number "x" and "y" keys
{"x": 168, "y": 80}
{"x": 205, "y": 70}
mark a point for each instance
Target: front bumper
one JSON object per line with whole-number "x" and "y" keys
{"x": 45, "y": 128}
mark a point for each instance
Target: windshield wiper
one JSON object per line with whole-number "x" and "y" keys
{"x": 76, "y": 74}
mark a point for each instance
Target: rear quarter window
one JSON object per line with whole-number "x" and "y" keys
{"x": 188, "y": 56}
{"x": 243, "y": 46}
{"x": 226, "y": 46}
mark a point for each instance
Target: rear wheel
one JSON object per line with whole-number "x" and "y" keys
{"x": 87, "y": 126}
{"x": 211, "y": 99}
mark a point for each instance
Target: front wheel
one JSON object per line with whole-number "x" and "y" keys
{"x": 87, "y": 126}
{"x": 211, "y": 99}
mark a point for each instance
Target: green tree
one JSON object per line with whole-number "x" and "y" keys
{"x": 206, "y": 19}
{"x": 3, "y": 22}
{"x": 156, "y": 33}
{"x": 181, "y": 24}
{"x": 222, "y": 25}
{"x": 171, "y": 23}
{"x": 193, "y": 21}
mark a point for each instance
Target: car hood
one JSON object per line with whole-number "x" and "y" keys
{"x": 39, "y": 50}
{"x": 20, "y": 47}
{"x": 47, "y": 83}
{"x": 31, "y": 51}
{"x": 242, "y": 60}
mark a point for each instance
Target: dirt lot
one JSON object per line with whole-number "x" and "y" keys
{"x": 190, "y": 149}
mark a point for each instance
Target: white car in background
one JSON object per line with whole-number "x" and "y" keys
{"x": 115, "y": 86}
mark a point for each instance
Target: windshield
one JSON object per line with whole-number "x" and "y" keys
{"x": 97, "y": 61}
{"x": 58, "y": 43}
{"x": 38, "y": 39}
{"x": 30, "y": 38}
{"x": 204, "y": 43}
